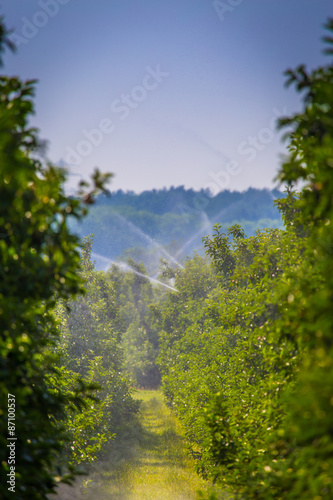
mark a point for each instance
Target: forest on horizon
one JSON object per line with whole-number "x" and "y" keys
{"x": 147, "y": 226}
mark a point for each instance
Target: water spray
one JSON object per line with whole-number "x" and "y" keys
{"x": 150, "y": 240}
{"x": 127, "y": 268}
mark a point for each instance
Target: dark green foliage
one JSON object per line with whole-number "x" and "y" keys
{"x": 5, "y": 41}
{"x": 39, "y": 263}
{"x": 306, "y": 435}
{"x": 39, "y": 259}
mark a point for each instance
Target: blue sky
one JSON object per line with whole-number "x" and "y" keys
{"x": 165, "y": 92}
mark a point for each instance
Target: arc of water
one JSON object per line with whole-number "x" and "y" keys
{"x": 128, "y": 268}
{"x": 166, "y": 254}
{"x": 207, "y": 223}
{"x": 152, "y": 280}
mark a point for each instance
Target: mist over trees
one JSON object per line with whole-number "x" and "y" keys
{"x": 128, "y": 225}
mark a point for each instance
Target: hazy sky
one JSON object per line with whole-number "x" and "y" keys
{"x": 165, "y": 92}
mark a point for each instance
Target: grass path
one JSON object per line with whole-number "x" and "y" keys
{"x": 149, "y": 462}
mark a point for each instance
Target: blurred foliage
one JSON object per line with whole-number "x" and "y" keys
{"x": 39, "y": 266}
{"x": 39, "y": 262}
{"x": 305, "y": 468}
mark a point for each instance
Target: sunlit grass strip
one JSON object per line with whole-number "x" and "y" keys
{"x": 150, "y": 461}
{"x": 163, "y": 470}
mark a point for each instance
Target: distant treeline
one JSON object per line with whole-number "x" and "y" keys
{"x": 126, "y": 224}
{"x": 253, "y": 204}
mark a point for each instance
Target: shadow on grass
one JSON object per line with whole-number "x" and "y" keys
{"x": 147, "y": 436}
{"x": 150, "y": 441}
{"x": 146, "y": 461}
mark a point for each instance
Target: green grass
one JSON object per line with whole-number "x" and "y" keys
{"x": 162, "y": 469}
{"x": 149, "y": 462}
